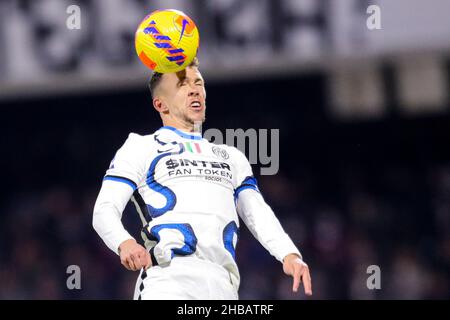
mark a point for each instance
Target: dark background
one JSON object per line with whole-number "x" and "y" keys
{"x": 350, "y": 194}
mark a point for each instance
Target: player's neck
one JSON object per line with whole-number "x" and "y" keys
{"x": 185, "y": 127}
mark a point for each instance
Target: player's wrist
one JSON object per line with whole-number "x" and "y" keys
{"x": 125, "y": 243}
{"x": 292, "y": 256}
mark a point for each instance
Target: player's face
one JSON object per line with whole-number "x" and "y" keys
{"x": 185, "y": 96}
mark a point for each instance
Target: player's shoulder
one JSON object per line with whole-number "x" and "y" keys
{"x": 139, "y": 142}
{"x": 134, "y": 137}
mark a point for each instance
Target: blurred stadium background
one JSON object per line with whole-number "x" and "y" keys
{"x": 364, "y": 125}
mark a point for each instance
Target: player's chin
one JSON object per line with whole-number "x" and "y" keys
{"x": 197, "y": 116}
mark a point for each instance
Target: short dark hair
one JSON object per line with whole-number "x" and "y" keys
{"x": 155, "y": 79}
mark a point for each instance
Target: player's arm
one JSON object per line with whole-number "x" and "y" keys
{"x": 266, "y": 228}
{"x": 107, "y": 222}
{"x": 118, "y": 186}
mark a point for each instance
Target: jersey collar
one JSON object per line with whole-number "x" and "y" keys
{"x": 191, "y": 135}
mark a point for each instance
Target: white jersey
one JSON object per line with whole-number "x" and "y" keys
{"x": 189, "y": 193}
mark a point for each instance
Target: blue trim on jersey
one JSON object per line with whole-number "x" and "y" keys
{"x": 121, "y": 179}
{"x": 228, "y": 233}
{"x": 242, "y": 188}
{"x": 190, "y": 240}
{"x": 182, "y": 134}
{"x": 171, "y": 198}
{"x": 248, "y": 183}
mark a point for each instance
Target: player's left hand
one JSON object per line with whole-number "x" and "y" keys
{"x": 294, "y": 266}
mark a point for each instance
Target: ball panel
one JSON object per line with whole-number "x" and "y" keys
{"x": 147, "y": 61}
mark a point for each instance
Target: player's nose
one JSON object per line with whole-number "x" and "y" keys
{"x": 193, "y": 91}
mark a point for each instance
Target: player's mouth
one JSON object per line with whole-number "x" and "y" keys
{"x": 196, "y": 105}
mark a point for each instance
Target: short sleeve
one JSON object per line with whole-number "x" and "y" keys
{"x": 128, "y": 165}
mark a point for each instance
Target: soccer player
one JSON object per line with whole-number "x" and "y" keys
{"x": 189, "y": 194}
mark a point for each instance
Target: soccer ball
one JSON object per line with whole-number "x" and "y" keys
{"x": 167, "y": 41}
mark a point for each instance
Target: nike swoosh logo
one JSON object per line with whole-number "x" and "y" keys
{"x": 185, "y": 23}
{"x": 172, "y": 145}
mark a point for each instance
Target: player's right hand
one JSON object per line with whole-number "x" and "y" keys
{"x": 133, "y": 256}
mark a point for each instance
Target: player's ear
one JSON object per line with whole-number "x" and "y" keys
{"x": 160, "y": 105}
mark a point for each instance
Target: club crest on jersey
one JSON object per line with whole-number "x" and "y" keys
{"x": 221, "y": 153}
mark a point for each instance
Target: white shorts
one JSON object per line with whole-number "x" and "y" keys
{"x": 186, "y": 278}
